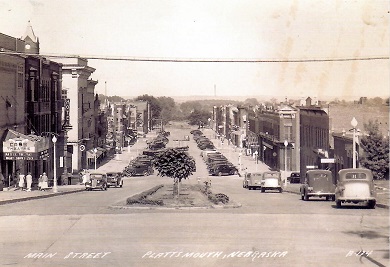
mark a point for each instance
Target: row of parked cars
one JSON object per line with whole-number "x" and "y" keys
{"x": 202, "y": 141}
{"x": 139, "y": 166}
{"x": 351, "y": 186}
{"x": 217, "y": 163}
{"x": 269, "y": 180}
{"x": 102, "y": 180}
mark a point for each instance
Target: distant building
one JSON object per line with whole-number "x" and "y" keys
{"x": 343, "y": 150}
{"x": 314, "y": 137}
{"x": 81, "y": 94}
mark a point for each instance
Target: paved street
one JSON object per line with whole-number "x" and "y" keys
{"x": 269, "y": 229}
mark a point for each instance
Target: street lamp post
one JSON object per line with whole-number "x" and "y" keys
{"x": 54, "y": 139}
{"x": 354, "y": 123}
{"x": 95, "y": 152}
{"x": 285, "y": 162}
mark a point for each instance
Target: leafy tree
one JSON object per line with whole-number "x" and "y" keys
{"x": 154, "y": 104}
{"x": 114, "y": 98}
{"x": 199, "y": 117}
{"x": 176, "y": 164}
{"x": 376, "y": 151}
{"x": 251, "y": 102}
{"x": 168, "y": 108}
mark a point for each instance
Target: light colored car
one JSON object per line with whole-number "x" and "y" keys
{"x": 96, "y": 181}
{"x": 318, "y": 183}
{"x": 254, "y": 180}
{"x": 272, "y": 180}
{"x": 355, "y": 186}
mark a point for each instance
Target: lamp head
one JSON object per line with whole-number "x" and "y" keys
{"x": 354, "y": 122}
{"x": 54, "y": 139}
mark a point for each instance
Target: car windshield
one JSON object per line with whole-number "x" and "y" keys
{"x": 355, "y": 175}
{"x": 96, "y": 176}
{"x": 317, "y": 176}
{"x": 271, "y": 175}
{"x": 111, "y": 174}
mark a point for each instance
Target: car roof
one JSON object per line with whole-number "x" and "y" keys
{"x": 311, "y": 172}
{"x": 343, "y": 172}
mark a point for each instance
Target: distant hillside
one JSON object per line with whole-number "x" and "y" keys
{"x": 341, "y": 116}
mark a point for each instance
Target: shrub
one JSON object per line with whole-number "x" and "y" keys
{"x": 141, "y": 198}
{"x": 215, "y": 198}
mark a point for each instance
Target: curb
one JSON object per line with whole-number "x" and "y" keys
{"x": 233, "y": 206}
{"x": 8, "y": 201}
{"x": 379, "y": 205}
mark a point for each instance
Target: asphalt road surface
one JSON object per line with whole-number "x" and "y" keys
{"x": 268, "y": 229}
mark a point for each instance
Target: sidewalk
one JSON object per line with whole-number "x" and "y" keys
{"x": 248, "y": 163}
{"x": 117, "y": 163}
{"x": 13, "y": 195}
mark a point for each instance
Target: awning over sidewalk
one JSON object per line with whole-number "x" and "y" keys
{"x": 91, "y": 154}
{"x": 18, "y": 146}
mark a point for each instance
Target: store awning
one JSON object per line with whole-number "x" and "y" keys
{"x": 91, "y": 154}
{"x": 18, "y": 146}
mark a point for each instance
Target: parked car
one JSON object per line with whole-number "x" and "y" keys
{"x": 355, "y": 186}
{"x": 254, "y": 180}
{"x": 114, "y": 179}
{"x": 294, "y": 178}
{"x": 138, "y": 169}
{"x": 224, "y": 170}
{"x": 271, "y": 180}
{"x": 96, "y": 181}
{"x": 318, "y": 183}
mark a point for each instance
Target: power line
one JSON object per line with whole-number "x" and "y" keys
{"x": 199, "y": 60}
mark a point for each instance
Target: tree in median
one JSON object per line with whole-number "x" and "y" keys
{"x": 376, "y": 151}
{"x": 176, "y": 164}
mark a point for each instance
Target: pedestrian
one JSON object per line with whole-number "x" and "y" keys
{"x": 1, "y": 179}
{"x": 85, "y": 177}
{"x": 21, "y": 181}
{"x": 29, "y": 181}
{"x": 40, "y": 182}
{"x": 44, "y": 185}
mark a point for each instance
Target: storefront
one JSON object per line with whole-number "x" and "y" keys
{"x": 25, "y": 153}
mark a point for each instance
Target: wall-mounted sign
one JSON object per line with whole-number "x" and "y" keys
{"x": 18, "y": 146}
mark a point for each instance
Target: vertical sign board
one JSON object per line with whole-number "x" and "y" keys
{"x": 66, "y": 112}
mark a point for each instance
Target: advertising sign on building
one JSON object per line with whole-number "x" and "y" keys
{"x": 17, "y": 146}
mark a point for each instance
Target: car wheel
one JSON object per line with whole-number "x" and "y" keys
{"x": 235, "y": 172}
{"x": 327, "y": 198}
{"x": 371, "y": 204}
{"x": 121, "y": 185}
{"x": 132, "y": 173}
{"x": 333, "y": 198}
{"x": 105, "y": 188}
{"x": 280, "y": 190}
{"x": 338, "y": 204}
{"x": 220, "y": 174}
{"x": 262, "y": 190}
{"x": 306, "y": 197}
{"x": 146, "y": 173}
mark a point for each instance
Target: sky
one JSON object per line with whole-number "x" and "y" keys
{"x": 279, "y": 30}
